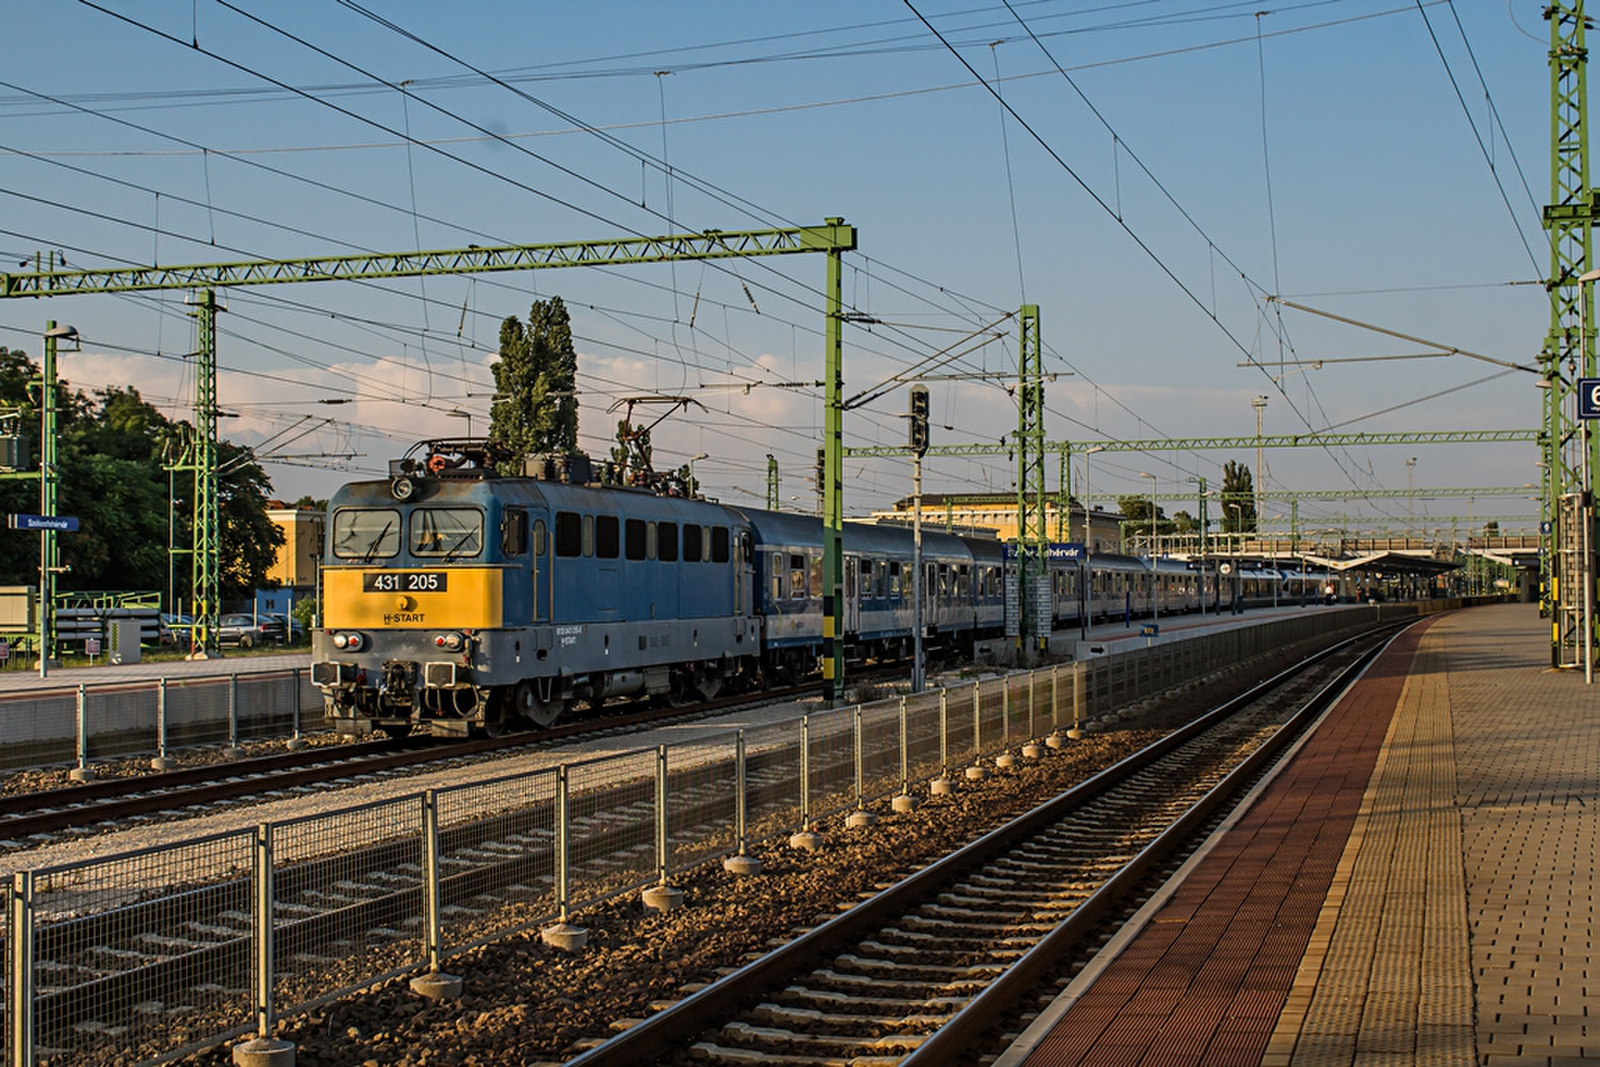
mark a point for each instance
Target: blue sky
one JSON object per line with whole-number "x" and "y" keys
{"x": 1384, "y": 209}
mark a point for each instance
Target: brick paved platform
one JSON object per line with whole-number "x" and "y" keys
{"x": 1416, "y": 886}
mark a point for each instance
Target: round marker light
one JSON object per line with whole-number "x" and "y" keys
{"x": 348, "y": 642}
{"x": 453, "y": 642}
{"x": 340, "y": 640}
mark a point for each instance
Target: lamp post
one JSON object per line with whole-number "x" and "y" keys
{"x": 1411, "y": 501}
{"x": 1586, "y": 510}
{"x": 1155, "y": 578}
{"x": 1238, "y": 522}
{"x": 49, "y": 564}
{"x": 1088, "y": 533}
{"x": 1204, "y": 523}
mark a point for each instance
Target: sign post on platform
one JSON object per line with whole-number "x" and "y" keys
{"x": 1588, "y": 411}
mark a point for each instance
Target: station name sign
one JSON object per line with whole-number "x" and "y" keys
{"x": 1056, "y": 550}
{"x": 67, "y": 523}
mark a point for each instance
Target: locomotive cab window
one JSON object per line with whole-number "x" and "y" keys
{"x": 691, "y": 543}
{"x": 449, "y": 532}
{"x": 538, "y": 537}
{"x": 667, "y": 542}
{"x": 366, "y": 533}
{"x": 719, "y": 544}
{"x": 514, "y": 533}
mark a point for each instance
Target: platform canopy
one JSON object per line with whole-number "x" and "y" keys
{"x": 1391, "y": 562}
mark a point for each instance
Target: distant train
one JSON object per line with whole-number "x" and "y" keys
{"x": 460, "y": 600}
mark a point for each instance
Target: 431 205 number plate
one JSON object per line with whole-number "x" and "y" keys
{"x": 405, "y": 582}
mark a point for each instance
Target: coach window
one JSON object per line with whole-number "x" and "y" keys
{"x": 514, "y": 533}
{"x": 880, "y": 571}
{"x": 797, "y": 577}
{"x": 815, "y": 563}
{"x": 634, "y": 539}
{"x": 538, "y": 537}
{"x": 866, "y": 579}
{"x": 894, "y": 578}
{"x": 691, "y": 543}
{"x": 850, "y": 580}
{"x": 569, "y": 534}
{"x": 454, "y": 532}
{"x": 366, "y": 533}
{"x": 719, "y": 544}
{"x": 667, "y": 546}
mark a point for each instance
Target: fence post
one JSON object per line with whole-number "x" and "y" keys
{"x": 233, "y": 751}
{"x": 805, "y": 837}
{"x": 977, "y": 772}
{"x": 264, "y": 932}
{"x": 1033, "y": 730}
{"x": 905, "y": 752}
{"x": 663, "y": 838}
{"x": 861, "y": 816}
{"x": 82, "y": 773}
{"x": 296, "y": 742}
{"x": 435, "y": 984}
{"x": 161, "y": 762}
{"x": 942, "y": 785}
{"x": 741, "y": 862}
{"x": 21, "y": 988}
{"x": 563, "y": 935}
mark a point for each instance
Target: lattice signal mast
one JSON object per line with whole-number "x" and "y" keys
{"x": 1567, "y": 356}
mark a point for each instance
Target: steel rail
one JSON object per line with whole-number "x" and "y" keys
{"x": 648, "y": 1040}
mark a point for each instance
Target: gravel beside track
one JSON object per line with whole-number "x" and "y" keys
{"x": 526, "y": 1003}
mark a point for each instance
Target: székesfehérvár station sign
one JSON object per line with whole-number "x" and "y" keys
{"x": 59, "y": 523}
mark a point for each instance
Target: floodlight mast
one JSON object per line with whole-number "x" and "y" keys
{"x": 833, "y": 238}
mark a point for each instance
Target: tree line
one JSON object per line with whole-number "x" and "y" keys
{"x": 114, "y": 453}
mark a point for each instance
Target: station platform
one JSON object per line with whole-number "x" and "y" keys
{"x": 1415, "y": 885}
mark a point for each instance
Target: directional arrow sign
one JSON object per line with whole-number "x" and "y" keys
{"x": 68, "y": 523}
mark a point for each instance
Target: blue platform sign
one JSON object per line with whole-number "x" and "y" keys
{"x": 65, "y": 523}
{"x": 1589, "y": 398}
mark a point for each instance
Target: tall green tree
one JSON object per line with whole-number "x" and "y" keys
{"x": 1238, "y": 499}
{"x": 535, "y": 380}
{"x": 1136, "y": 514}
{"x": 113, "y": 451}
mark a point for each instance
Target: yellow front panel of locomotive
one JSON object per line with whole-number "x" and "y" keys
{"x": 451, "y": 598}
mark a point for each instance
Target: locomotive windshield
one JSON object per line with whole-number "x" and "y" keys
{"x": 449, "y": 532}
{"x": 366, "y": 533}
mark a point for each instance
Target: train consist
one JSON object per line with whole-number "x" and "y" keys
{"x": 459, "y": 600}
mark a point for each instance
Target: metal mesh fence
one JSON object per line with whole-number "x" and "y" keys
{"x": 961, "y": 744}
{"x": 611, "y": 842}
{"x": 144, "y": 955}
{"x": 991, "y": 725}
{"x": 187, "y": 705}
{"x": 702, "y": 801}
{"x": 122, "y": 721}
{"x": 496, "y": 857}
{"x": 38, "y": 729}
{"x": 880, "y": 749}
{"x": 772, "y": 780}
{"x": 1014, "y": 709}
{"x": 266, "y": 705}
{"x": 7, "y": 971}
{"x": 831, "y": 762}
{"x": 348, "y": 899}
{"x": 922, "y": 737}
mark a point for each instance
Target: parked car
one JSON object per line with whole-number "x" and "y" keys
{"x": 175, "y": 629}
{"x": 291, "y": 626}
{"x": 248, "y": 631}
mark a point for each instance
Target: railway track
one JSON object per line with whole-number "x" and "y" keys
{"x": 920, "y": 972}
{"x": 25, "y": 817}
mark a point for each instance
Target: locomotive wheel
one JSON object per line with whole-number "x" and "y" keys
{"x": 541, "y": 713}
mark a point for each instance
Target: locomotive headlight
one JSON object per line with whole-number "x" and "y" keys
{"x": 348, "y": 642}
{"x": 451, "y": 642}
{"x": 402, "y": 488}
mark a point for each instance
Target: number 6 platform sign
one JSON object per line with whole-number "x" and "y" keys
{"x": 1589, "y": 398}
